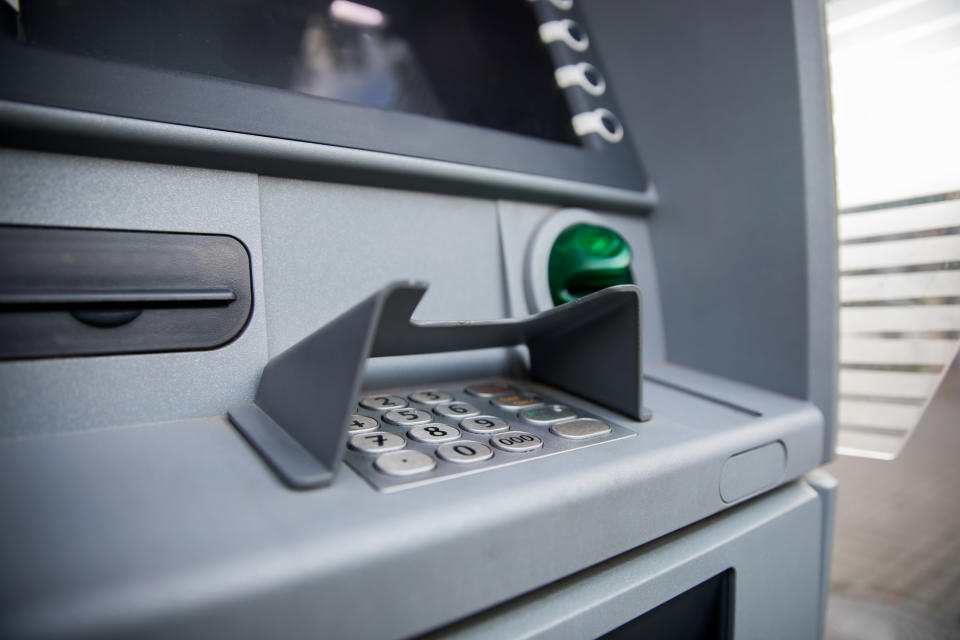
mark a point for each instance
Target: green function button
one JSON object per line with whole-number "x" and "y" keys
{"x": 586, "y": 258}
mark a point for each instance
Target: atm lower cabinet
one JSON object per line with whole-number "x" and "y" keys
{"x": 751, "y": 572}
{"x": 103, "y": 566}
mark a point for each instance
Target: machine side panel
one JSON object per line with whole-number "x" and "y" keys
{"x": 737, "y": 129}
{"x": 71, "y": 394}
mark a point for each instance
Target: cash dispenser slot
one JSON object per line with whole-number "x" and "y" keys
{"x": 81, "y": 292}
{"x": 298, "y": 421}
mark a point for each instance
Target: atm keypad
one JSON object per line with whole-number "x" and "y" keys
{"x": 454, "y": 429}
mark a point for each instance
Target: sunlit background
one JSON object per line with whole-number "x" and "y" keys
{"x": 895, "y": 67}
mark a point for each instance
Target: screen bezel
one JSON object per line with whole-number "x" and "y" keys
{"x": 49, "y": 78}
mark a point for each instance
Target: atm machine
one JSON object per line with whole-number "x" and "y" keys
{"x": 382, "y": 319}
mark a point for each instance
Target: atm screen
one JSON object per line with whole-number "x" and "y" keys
{"x": 478, "y": 62}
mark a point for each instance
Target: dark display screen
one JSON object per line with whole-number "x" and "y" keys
{"x": 702, "y": 613}
{"x": 479, "y": 62}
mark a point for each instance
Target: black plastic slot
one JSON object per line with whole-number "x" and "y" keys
{"x": 71, "y": 292}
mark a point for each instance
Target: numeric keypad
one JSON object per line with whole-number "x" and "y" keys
{"x": 403, "y": 437}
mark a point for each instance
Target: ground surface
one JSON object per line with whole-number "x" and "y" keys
{"x": 896, "y": 560}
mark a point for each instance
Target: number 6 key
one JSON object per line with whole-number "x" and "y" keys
{"x": 457, "y": 410}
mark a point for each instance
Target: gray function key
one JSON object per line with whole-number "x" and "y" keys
{"x": 434, "y": 433}
{"x": 404, "y": 463}
{"x": 517, "y": 401}
{"x": 431, "y": 397}
{"x": 382, "y": 403}
{"x": 484, "y": 424}
{"x": 548, "y": 414}
{"x": 359, "y": 424}
{"x": 580, "y": 429}
{"x": 456, "y": 410}
{"x": 464, "y": 452}
{"x": 407, "y": 417}
{"x": 488, "y": 390}
{"x": 516, "y": 442}
{"x": 377, "y": 442}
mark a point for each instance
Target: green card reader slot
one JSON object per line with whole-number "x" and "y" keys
{"x": 586, "y": 258}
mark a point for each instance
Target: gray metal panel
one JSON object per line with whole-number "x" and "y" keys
{"x": 50, "y": 128}
{"x": 736, "y": 129}
{"x": 778, "y": 529}
{"x": 825, "y": 485}
{"x": 69, "y": 394}
{"x": 181, "y": 529}
{"x": 326, "y": 247}
{"x": 819, "y": 175}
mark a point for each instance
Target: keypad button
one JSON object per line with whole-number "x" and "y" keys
{"x": 464, "y": 452}
{"x": 359, "y": 424}
{"x": 517, "y": 401}
{"x": 456, "y": 410}
{"x": 488, "y": 390}
{"x": 580, "y": 429}
{"x": 377, "y": 442}
{"x": 516, "y": 441}
{"x": 431, "y": 397}
{"x": 484, "y": 424}
{"x": 436, "y": 432}
{"x": 407, "y": 417}
{"x": 404, "y": 463}
{"x": 548, "y": 414}
{"x": 382, "y": 403}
